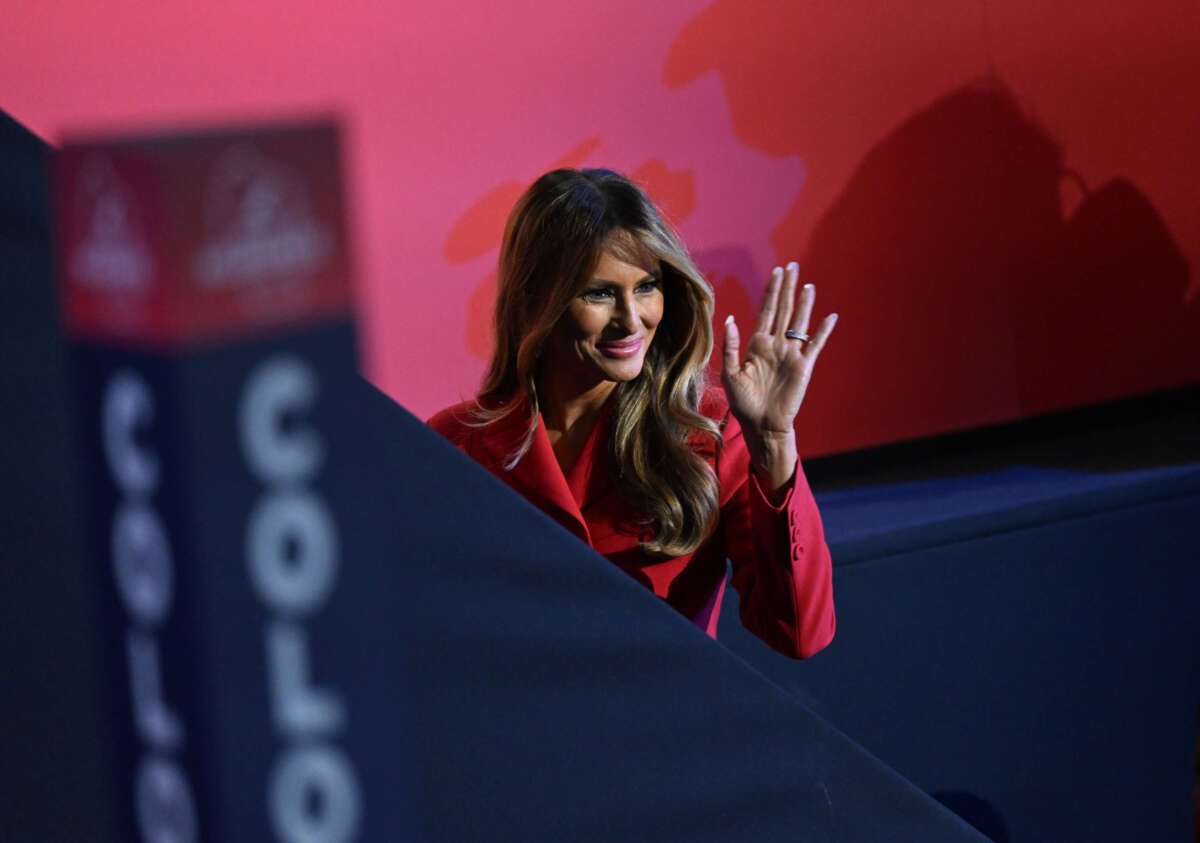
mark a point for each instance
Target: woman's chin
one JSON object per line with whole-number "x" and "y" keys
{"x": 621, "y": 371}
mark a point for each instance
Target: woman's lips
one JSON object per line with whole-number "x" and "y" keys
{"x": 622, "y": 349}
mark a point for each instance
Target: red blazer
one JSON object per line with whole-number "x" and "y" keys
{"x": 781, "y": 565}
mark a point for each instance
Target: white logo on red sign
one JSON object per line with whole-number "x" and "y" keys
{"x": 112, "y": 253}
{"x": 260, "y": 224}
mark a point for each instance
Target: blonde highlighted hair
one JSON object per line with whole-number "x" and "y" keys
{"x": 553, "y": 240}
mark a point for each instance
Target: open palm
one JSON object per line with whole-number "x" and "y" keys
{"x": 766, "y": 389}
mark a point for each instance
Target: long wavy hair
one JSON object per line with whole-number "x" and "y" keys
{"x": 554, "y": 238}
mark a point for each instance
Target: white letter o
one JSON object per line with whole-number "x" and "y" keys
{"x": 322, "y": 771}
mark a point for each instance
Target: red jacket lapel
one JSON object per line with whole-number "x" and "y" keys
{"x": 537, "y": 474}
{"x": 590, "y": 477}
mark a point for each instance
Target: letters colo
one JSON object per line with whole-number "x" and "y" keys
{"x": 292, "y": 557}
{"x": 144, "y": 571}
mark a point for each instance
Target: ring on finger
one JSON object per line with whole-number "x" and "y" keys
{"x": 796, "y": 335}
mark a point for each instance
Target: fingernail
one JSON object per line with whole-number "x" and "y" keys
{"x": 833, "y": 317}
{"x": 729, "y": 319}
{"x": 793, "y": 266}
{"x": 808, "y": 286}
{"x": 777, "y": 271}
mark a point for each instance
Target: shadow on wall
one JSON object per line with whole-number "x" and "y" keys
{"x": 986, "y": 301}
{"x": 1105, "y": 311}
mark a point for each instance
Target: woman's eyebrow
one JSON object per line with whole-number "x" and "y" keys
{"x": 649, "y": 276}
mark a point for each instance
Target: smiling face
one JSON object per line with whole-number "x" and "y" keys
{"x": 608, "y": 326}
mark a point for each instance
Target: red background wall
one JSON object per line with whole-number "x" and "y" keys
{"x": 999, "y": 198}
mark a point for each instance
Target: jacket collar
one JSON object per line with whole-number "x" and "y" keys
{"x": 538, "y": 476}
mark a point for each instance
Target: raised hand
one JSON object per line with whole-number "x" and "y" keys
{"x": 766, "y": 389}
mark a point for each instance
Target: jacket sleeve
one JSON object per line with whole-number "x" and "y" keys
{"x": 781, "y": 565}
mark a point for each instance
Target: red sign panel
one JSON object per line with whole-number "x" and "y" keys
{"x": 181, "y": 239}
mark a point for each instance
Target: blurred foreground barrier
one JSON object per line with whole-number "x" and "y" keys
{"x": 555, "y": 698}
{"x": 51, "y": 763}
{"x": 205, "y": 290}
{"x": 321, "y": 622}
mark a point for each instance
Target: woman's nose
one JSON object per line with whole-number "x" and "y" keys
{"x": 627, "y": 314}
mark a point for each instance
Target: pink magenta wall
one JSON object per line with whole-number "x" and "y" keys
{"x": 999, "y": 198}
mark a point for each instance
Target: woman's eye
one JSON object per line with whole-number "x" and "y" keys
{"x": 598, "y": 294}
{"x": 648, "y": 286}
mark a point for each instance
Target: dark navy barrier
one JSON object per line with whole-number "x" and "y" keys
{"x": 52, "y": 759}
{"x": 554, "y": 698}
{"x": 1023, "y": 643}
